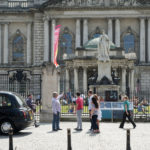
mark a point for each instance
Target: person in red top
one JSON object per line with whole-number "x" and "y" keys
{"x": 79, "y": 109}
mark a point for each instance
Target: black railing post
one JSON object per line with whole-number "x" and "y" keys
{"x": 69, "y": 139}
{"x": 10, "y": 139}
{"x": 128, "y": 140}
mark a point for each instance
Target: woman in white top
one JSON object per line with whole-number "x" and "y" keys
{"x": 95, "y": 112}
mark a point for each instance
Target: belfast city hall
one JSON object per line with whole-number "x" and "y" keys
{"x": 27, "y": 46}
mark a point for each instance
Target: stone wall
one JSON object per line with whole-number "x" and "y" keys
{"x": 38, "y": 38}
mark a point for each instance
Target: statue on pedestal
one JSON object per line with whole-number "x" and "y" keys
{"x": 103, "y": 47}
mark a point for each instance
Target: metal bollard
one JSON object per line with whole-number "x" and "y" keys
{"x": 10, "y": 139}
{"x": 128, "y": 140}
{"x": 69, "y": 139}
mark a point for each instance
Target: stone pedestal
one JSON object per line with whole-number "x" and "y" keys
{"x": 49, "y": 85}
{"x": 104, "y": 69}
{"x": 101, "y": 89}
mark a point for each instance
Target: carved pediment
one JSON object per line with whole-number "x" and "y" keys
{"x": 103, "y": 3}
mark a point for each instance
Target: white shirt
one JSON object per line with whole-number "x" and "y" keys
{"x": 90, "y": 102}
{"x": 73, "y": 99}
{"x": 56, "y": 107}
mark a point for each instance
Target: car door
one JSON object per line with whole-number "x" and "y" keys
{"x": 5, "y": 106}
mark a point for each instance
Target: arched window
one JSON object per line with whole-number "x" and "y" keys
{"x": 18, "y": 48}
{"x": 129, "y": 43}
{"x": 65, "y": 45}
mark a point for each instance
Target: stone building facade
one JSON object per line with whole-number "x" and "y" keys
{"x": 27, "y": 34}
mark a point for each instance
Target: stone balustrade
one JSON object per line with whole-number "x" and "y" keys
{"x": 22, "y": 4}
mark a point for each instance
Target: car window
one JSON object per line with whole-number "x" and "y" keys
{"x": 20, "y": 100}
{"x": 5, "y": 101}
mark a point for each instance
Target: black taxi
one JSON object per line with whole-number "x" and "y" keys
{"x": 14, "y": 113}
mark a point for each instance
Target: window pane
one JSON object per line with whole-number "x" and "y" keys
{"x": 128, "y": 43}
{"x": 65, "y": 46}
{"x": 4, "y": 101}
{"x": 18, "y": 49}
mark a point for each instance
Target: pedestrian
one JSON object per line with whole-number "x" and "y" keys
{"x": 126, "y": 113}
{"x": 79, "y": 109}
{"x": 94, "y": 115}
{"x": 56, "y": 108}
{"x": 90, "y": 95}
{"x": 30, "y": 102}
{"x": 69, "y": 97}
{"x": 99, "y": 111}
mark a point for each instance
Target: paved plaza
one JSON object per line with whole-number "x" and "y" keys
{"x": 110, "y": 138}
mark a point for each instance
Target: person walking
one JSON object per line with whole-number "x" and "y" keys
{"x": 56, "y": 109}
{"x": 126, "y": 113}
{"x": 99, "y": 111}
{"x": 79, "y": 109}
{"x": 90, "y": 95}
{"x": 94, "y": 115}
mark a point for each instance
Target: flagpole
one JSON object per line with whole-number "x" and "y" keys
{"x": 53, "y": 40}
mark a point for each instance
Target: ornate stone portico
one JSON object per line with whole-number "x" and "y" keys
{"x": 121, "y": 64}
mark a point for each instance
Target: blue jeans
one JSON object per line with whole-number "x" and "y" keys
{"x": 55, "y": 123}
{"x": 94, "y": 122}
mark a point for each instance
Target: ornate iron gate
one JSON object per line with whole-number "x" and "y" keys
{"x": 22, "y": 82}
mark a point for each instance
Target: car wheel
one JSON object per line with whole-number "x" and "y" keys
{"x": 5, "y": 126}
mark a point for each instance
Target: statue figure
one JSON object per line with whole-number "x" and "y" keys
{"x": 103, "y": 47}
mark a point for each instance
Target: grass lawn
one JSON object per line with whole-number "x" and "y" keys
{"x": 65, "y": 108}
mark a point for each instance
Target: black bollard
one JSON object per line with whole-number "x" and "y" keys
{"x": 128, "y": 140}
{"x": 69, "y": 139}
{"x": 10, "y": 139}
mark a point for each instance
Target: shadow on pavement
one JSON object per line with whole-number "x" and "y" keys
{"x": 52, "y": 132}
{"x": 76, "y": 131}
{"x": 16, "y": 135}
{"x": 22, "y": 134}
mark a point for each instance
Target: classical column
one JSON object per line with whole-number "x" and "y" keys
{"x": 29, "y": 53}
{"x": 129, "y": 80}
{"x": 0, "y": 43}
{"x": 142, "y": 40}
{"x": 117, "y": 32}
{"x": 53, "y": 24}
{"x": 78, "y": 37}
{"x": 5, "y": 43}
{"x": 67, "y": 79}
{"x": 85, "y": 31}
{"x": 110, "y": 31}
{"x": 132, "y": 81}
{"x": 124, "y": 80}
{"x": 76, "y": 86}
{"x": 58, "y": 81}
{"x": 46, "y": 39}
{"x": 148, "y": 40}
{"x": 85, "y": 80}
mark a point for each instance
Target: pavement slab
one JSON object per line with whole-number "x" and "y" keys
{"x": 110, "y": 138}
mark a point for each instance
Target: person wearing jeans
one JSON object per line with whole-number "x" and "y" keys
{"x": 94, "y": 115}
{"x": 79, "y": 109}
{"x": 56, "y": 108}
{"x": 126, "y": 113}
{"x": 90, "y": 95}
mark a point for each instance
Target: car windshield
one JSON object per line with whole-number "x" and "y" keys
{"x": 20, "y": 99}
